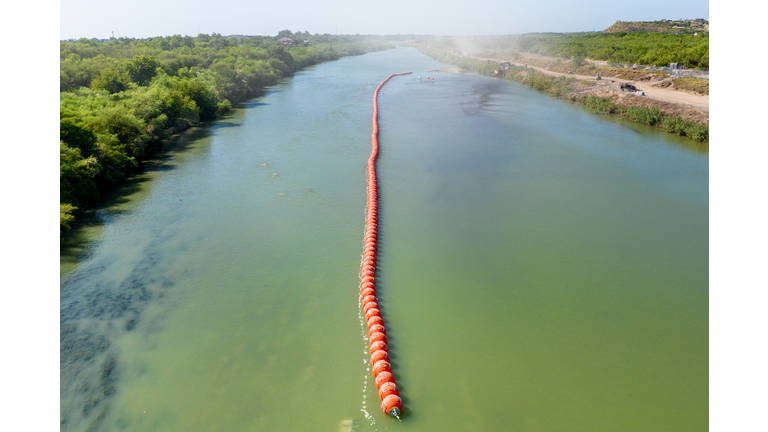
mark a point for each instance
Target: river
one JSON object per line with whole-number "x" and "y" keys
{"x": 541, "y": 267}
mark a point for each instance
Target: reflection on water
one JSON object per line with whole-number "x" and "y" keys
{"x": 540, "y": 267}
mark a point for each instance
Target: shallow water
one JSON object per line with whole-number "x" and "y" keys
{"x": 541, "y": 268}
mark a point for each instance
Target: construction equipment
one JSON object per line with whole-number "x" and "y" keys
{"x": 503, "y": 67}
{"x": 628, "y": 87}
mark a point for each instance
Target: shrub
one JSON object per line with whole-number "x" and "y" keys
{"x": 699, "y": 132}
{"x": 224, "y": 107}
{"x": 644, "y": 115}
{"x": 675, "y": 124}
{"x": 696, "y": 131}
{"x": 65, "y": 215}
{"x": 602, "y": 104}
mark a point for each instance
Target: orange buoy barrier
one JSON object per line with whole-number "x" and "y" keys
{"x": 384, "y": 377}
{"x": 387, "y": 389}
{"x": 377, "y": 336}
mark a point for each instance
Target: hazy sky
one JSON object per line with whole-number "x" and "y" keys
{"x": 146, "y": 18}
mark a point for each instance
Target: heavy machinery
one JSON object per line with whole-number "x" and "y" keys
{"x": 628, "y": 87}
{"x": 501, "y": 70}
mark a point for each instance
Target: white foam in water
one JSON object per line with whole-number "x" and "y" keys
{"x": 367, "y": 369}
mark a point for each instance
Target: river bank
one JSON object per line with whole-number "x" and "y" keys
{"x": 577, "y": 87}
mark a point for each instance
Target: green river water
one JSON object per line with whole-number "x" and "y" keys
{"x": 541, "y": 268}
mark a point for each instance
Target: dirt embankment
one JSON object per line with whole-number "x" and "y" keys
{"x": 630, "y": 100}
{"x": 685, "y": 90}
{"x": 656, "y": 86}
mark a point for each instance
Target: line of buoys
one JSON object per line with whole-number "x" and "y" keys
{"x": 377, "y": 336}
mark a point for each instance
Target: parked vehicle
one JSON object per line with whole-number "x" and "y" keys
{"x": 628, "y": 87}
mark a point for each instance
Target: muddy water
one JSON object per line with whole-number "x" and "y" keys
{"x": 541, "y": 267}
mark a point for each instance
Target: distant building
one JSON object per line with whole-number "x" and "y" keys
{"x": 286, "y": 41}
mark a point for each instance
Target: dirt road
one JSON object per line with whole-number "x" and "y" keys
{"x": 662, "y": 94}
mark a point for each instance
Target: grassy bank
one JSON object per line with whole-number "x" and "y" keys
{"x": 695, "y": 85}
{"x": 653, "y": 114}
{"x": 647, "y": 115}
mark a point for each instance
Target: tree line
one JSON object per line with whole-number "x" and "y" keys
{"x": 643, "y": 48}
{"x": 121, "y": 98}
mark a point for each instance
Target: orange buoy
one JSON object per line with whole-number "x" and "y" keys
{"x": 384, "y": 377}
{"x": 378, "y": 345}
{"x": 378, "y": 336}
{"x": 392, "y": 405}
{"x": 388, "y": 393}
{"x": 379, "y": 355}
{"x": 377, "y": 328}
{"x": 372, "y": 312}
{"x": 387, "y": 389}
{"x": 381, "y": 366}
{"x": 369, "y": 305}
{"x": 376, "y": 319}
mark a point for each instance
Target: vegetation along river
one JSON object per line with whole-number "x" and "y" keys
{"x": 541, "y": 268}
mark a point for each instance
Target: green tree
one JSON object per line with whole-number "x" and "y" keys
{"x": 76, "y": 136}
{"x": 111, "y": 80}
{"x": 76, "y": 184}
{"x": 279, "y": 53}
{"x": 65, "y": 215}
{"x": 129, "y": 131}
{"x": 204, "y": 96}
{"x": 142, "y": 69}
{"x": 577, "y": 61}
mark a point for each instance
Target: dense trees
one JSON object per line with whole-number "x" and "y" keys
{"x": 119, "y": 99}
{"x": 141, "y": 69}
{"x": 643, "y": 48}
